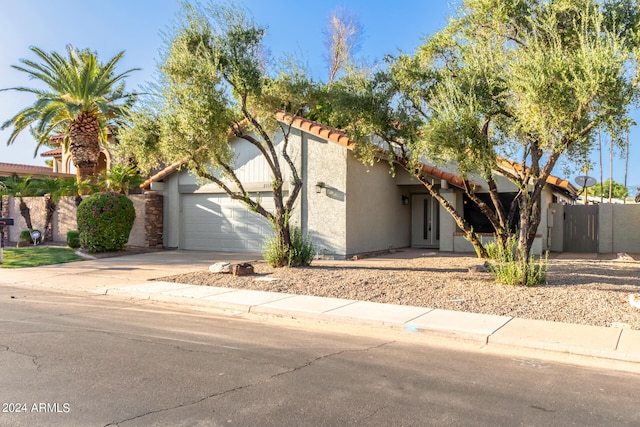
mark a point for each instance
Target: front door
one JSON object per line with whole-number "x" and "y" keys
{"x": 425, "y": 221}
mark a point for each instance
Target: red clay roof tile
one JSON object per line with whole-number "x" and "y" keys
{"x": 54, "y": 152}
{"x": 340, "y": 137}
{"x": 8, "y": 169}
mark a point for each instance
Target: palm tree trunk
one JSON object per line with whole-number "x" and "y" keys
{"x": 26, "y": 213}
{"x": 84, "y": 144}
{"x": 50, "y": 207}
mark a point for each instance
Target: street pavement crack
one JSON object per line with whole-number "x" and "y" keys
{"x": 34, "y": 359}
{"x": 245, "y": 386}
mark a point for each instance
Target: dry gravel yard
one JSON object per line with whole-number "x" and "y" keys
{"x": 592, "y": 292}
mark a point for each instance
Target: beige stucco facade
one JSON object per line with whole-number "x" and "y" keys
{"x": 618, "y": 227}
{"x": 345, "y": 207}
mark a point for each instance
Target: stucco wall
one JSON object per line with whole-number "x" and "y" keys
{"x": 447, "y": 224}
{"x": 554, "y": 226}
{"x": 37, "y": 213}
{"x": 64, "y": 219}
{"x": 324, "y": 213}
{"x": 137, "y": 235}
{"x": 619, "y": 228}
{"x": 172, "y": 208}
{"x": 376, "y": 218}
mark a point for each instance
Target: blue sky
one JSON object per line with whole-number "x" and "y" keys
{"x": 135, "y": 26}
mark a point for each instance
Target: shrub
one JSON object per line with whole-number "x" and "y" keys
{"x": 73, "y": 239}
{"x": 300, "y": 254}
{"x": 509, "y": 269}
{"x": 105, "y": 221}
{"x": 25, "y": 236}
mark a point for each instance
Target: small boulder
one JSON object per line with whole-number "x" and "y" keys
{"x": 245, "y": 269}
{"x": 622, "y": 256}
{"x": 220, "y": 267}
{"x": 483, "y": 268}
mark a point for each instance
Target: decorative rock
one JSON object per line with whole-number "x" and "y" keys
{"x": 220, "y": 267}
{"x": 245, "y": 269}
{"x": 622, "y": 256}
{"x": 483, "y": 268}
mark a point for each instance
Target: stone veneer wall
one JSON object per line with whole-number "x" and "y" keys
{"x": 153, "y": 211}
{"x": 4, "y": 213}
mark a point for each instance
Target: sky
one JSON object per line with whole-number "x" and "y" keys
{"x": 294, "y": 27}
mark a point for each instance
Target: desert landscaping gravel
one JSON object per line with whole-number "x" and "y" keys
{"x": 590, "y": 292}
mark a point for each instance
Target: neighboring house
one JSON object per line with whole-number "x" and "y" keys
{"x": 9, "y": 169}
{"x": 62, "y": 161}
{"x": 346, "y": 208}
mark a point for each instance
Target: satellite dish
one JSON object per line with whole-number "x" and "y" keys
{"x": 585, "y": 181}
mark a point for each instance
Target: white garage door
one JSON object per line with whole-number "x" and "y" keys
{"x": 214, "y": 222}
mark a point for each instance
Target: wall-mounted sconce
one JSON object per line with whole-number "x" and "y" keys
{"x": 405, "y": 200}
{"x": 319, "y": 186}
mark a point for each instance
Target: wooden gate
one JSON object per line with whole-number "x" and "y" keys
{"x": 580, "y": 228}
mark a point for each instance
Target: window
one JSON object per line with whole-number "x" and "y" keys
{"x": 479, "y": 221}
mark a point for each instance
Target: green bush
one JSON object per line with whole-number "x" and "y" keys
{"x": 509, "y": 269}
{"x": 25, "y": 236}
{"x": 105, "y": 221}
{"x": 73, "y": 239}
{"x": 300, "y": 254}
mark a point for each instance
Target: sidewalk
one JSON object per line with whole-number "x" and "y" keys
{"x": 128, "y": 276}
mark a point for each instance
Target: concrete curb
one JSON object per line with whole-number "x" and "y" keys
{"x": 490, "y": 330}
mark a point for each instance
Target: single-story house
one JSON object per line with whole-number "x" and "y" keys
{"x": 345, "y": 207}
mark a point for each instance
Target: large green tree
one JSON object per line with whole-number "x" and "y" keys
{"x": 609, "y": 189}
{"x": 527, "y": 80}
{"x": 215, "y": 85}
{"x": 80, "y": 97}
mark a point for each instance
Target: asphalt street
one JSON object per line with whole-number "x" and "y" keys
{"x": 81, "y": 360}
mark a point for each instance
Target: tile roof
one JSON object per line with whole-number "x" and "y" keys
{"x": 551, "y": 180}
{"x": 159, "y": 176}
{"x": 8, "y": 169}
{"x": 340, "y": 137}
{"x": 314, "y": 128}
{"x": 51, "y": 153}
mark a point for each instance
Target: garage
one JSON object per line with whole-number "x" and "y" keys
{"x": 215, "y": 222}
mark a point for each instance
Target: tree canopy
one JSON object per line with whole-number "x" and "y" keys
{"x": 525, "y": 80}
{"x": 82, "y": 96}
{"x": 216, "y": 84}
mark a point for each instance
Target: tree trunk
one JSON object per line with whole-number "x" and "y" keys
{"x": 84, "y": 144}
{"x": 26, "y": 213}
{"x": 469, "y": 234}
{"x": 50, "y": 207}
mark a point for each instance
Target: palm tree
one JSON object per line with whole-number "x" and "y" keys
{"x": 120, "y": 179}
{"x": 52, "y": 190}
{"x": 76, "y": 188}
{"x": 82, "y": 97}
